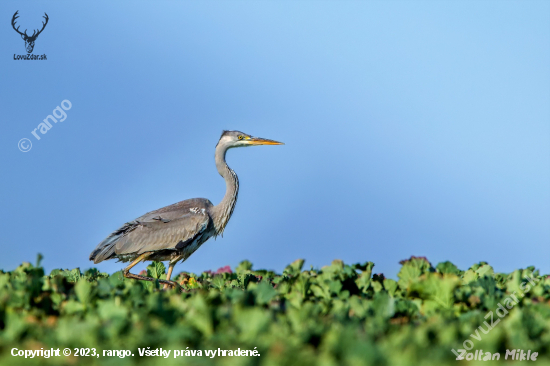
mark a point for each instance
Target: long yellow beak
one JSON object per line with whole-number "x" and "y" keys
{"x": 261, "y": 141}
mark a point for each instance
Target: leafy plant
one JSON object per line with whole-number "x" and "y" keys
{"x": 340, "y": 314}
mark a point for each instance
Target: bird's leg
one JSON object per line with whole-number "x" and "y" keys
{"x": 142, "y": 257}
{"x": 169, "y": 274}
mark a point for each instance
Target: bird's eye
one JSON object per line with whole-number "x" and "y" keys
{"x": 240, "y": 137}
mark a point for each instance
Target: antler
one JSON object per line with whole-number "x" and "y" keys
{"x": 13, "y": 24}
{"x": 43, "y": 26}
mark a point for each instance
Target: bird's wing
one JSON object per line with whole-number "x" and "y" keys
{"x": 106, "y": 249}
{"x": 162, "y": 233}
{"x": 156, "y": 230}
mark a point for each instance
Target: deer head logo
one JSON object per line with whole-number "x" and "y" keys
{"x": 29, "y": 40}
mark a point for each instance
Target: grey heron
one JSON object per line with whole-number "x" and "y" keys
{"x": 174, "y": 232}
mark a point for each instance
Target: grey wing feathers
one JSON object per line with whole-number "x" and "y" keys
{"x": 157, "y": 230}
{"x": 106, "y": 248}
{"x": 158, "y": 235}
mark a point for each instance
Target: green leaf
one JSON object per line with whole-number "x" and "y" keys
{"x": 376, "y": 286}
{"x": 116, "y": 279}
{"x": 335, "y": 287}
{"x": 83, "y": 290}
{"x": 469, "y": 276}
{"x": 218, "y": 281}
{"x": 364, "y": 279}
{"x": 485, "y": 270}
{"x": 411, "y": 270}
{"x": 513, "y": 283}
{"x": 72, "y": 307}
{"x": 244, "y": 267}
{"x": 390, "y": 286}
{"x": 74, "y": 275}
{"x": 383, "y": 305}
{"x": 156, "y": 270}
{"x": 264, "y": 293}
{"x": 448, "y": 267}
{"x": 294, "y": 268}
{"x": 437, "y": 288}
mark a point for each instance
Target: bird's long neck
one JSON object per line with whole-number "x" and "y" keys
{"x": 223, "y": 211}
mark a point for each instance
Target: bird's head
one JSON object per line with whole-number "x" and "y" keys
{"x": 231, "y": 139}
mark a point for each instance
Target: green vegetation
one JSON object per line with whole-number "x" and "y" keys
{"x": 337, "y": 315}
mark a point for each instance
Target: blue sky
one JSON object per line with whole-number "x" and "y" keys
{"x": 411, "y": 128}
